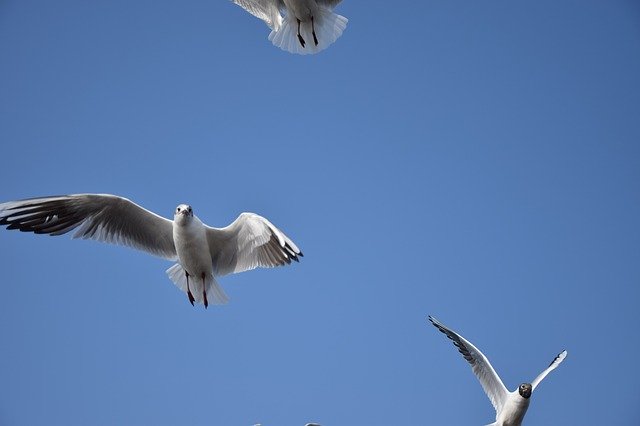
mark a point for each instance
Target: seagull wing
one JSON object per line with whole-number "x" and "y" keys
{"x": 100, "y": 217}
{"x": 554, "y": 364}
{"x": 267, "y": 10}
{"x": 251, "y": 241}
{"x": 490, "y": 381}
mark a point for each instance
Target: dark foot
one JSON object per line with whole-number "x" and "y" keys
{"x": 204, "y": 291}
{"x": 191, "y": 298}
{"x": 300, "y": 39}
{"x": 313, "y": 31}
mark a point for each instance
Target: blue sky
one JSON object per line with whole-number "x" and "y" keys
{"x": 476, "y": 161}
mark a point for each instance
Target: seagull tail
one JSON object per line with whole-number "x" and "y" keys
{"x": 328, "y": 26}
{"x": 215, "y": 293}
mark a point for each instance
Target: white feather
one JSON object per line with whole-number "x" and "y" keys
{"x": 328, "y": 27}
{"x": 177, "y": 275}
{"x": 308, "y": 15}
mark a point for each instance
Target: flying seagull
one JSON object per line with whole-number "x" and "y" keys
{"x": 202, "y": 252}
{"x": 308, "y": 26}
{"x": 510, "y": 406}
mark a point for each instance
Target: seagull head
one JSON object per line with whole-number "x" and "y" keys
{"x": 183, "y": 211}
{"x": 525, "y": 390}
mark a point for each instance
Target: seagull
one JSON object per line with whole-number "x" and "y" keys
{"x": 510, "y": 406}
{"x": 308, "y": 26}
{"x": 202, "y": 252}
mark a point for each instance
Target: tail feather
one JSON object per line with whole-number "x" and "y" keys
{"x": 328, "y": 26}
{"x": 215, "y": 293}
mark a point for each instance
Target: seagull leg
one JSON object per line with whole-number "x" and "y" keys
{"x": 191, "y": 298}
{"x": 300, "y": 39}
{"x": 313, "y": 31}
{"x": 204, "y": 291}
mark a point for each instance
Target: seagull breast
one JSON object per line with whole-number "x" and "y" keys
{"x": 190, "y": 238}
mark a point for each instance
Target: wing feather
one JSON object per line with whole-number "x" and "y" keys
{"x": 251, "y": 241}
{"x": 101, "y": 217}
{"x": 489, "y": 379}
{"x": 267, "y": 10}
{"x": 554, "y": 364}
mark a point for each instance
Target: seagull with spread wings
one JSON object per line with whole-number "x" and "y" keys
{"x": 202, "y": 252}
{"x": 510, "y": 406}
{"x": 308, "y": 26}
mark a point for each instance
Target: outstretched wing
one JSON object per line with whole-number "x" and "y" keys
{"x": 251, "y": 241}
{"x": 554, "y": 364}
{"x": 100, "y": 217}
{"x": 489, "y": 379}
{"x": 267, "y": 10}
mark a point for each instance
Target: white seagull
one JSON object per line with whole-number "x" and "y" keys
{"x": 510, "y": 406}
{"x": 202, "y": 252}
{"x": 308, "y": 26}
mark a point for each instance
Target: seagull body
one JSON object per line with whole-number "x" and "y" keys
{"x": 202, "y": 252}
{"x": 515, "y": 407}
{"x": 308, "y": 26}
{"x": 510, "y": 406}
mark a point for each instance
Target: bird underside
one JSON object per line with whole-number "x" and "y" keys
{"x": 204, "y": 290}
{"x": 313, "y": 33}
{"x": 308, "y": 36}
{"x": 199, "y": 289}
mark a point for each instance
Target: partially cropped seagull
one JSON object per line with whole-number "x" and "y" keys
{"x": 308, "y": 26}
{"x": 202, "y": 252}
{"x": 510, "y": 406}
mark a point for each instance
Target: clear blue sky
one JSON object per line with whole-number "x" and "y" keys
{"x": 476, "y": 161}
